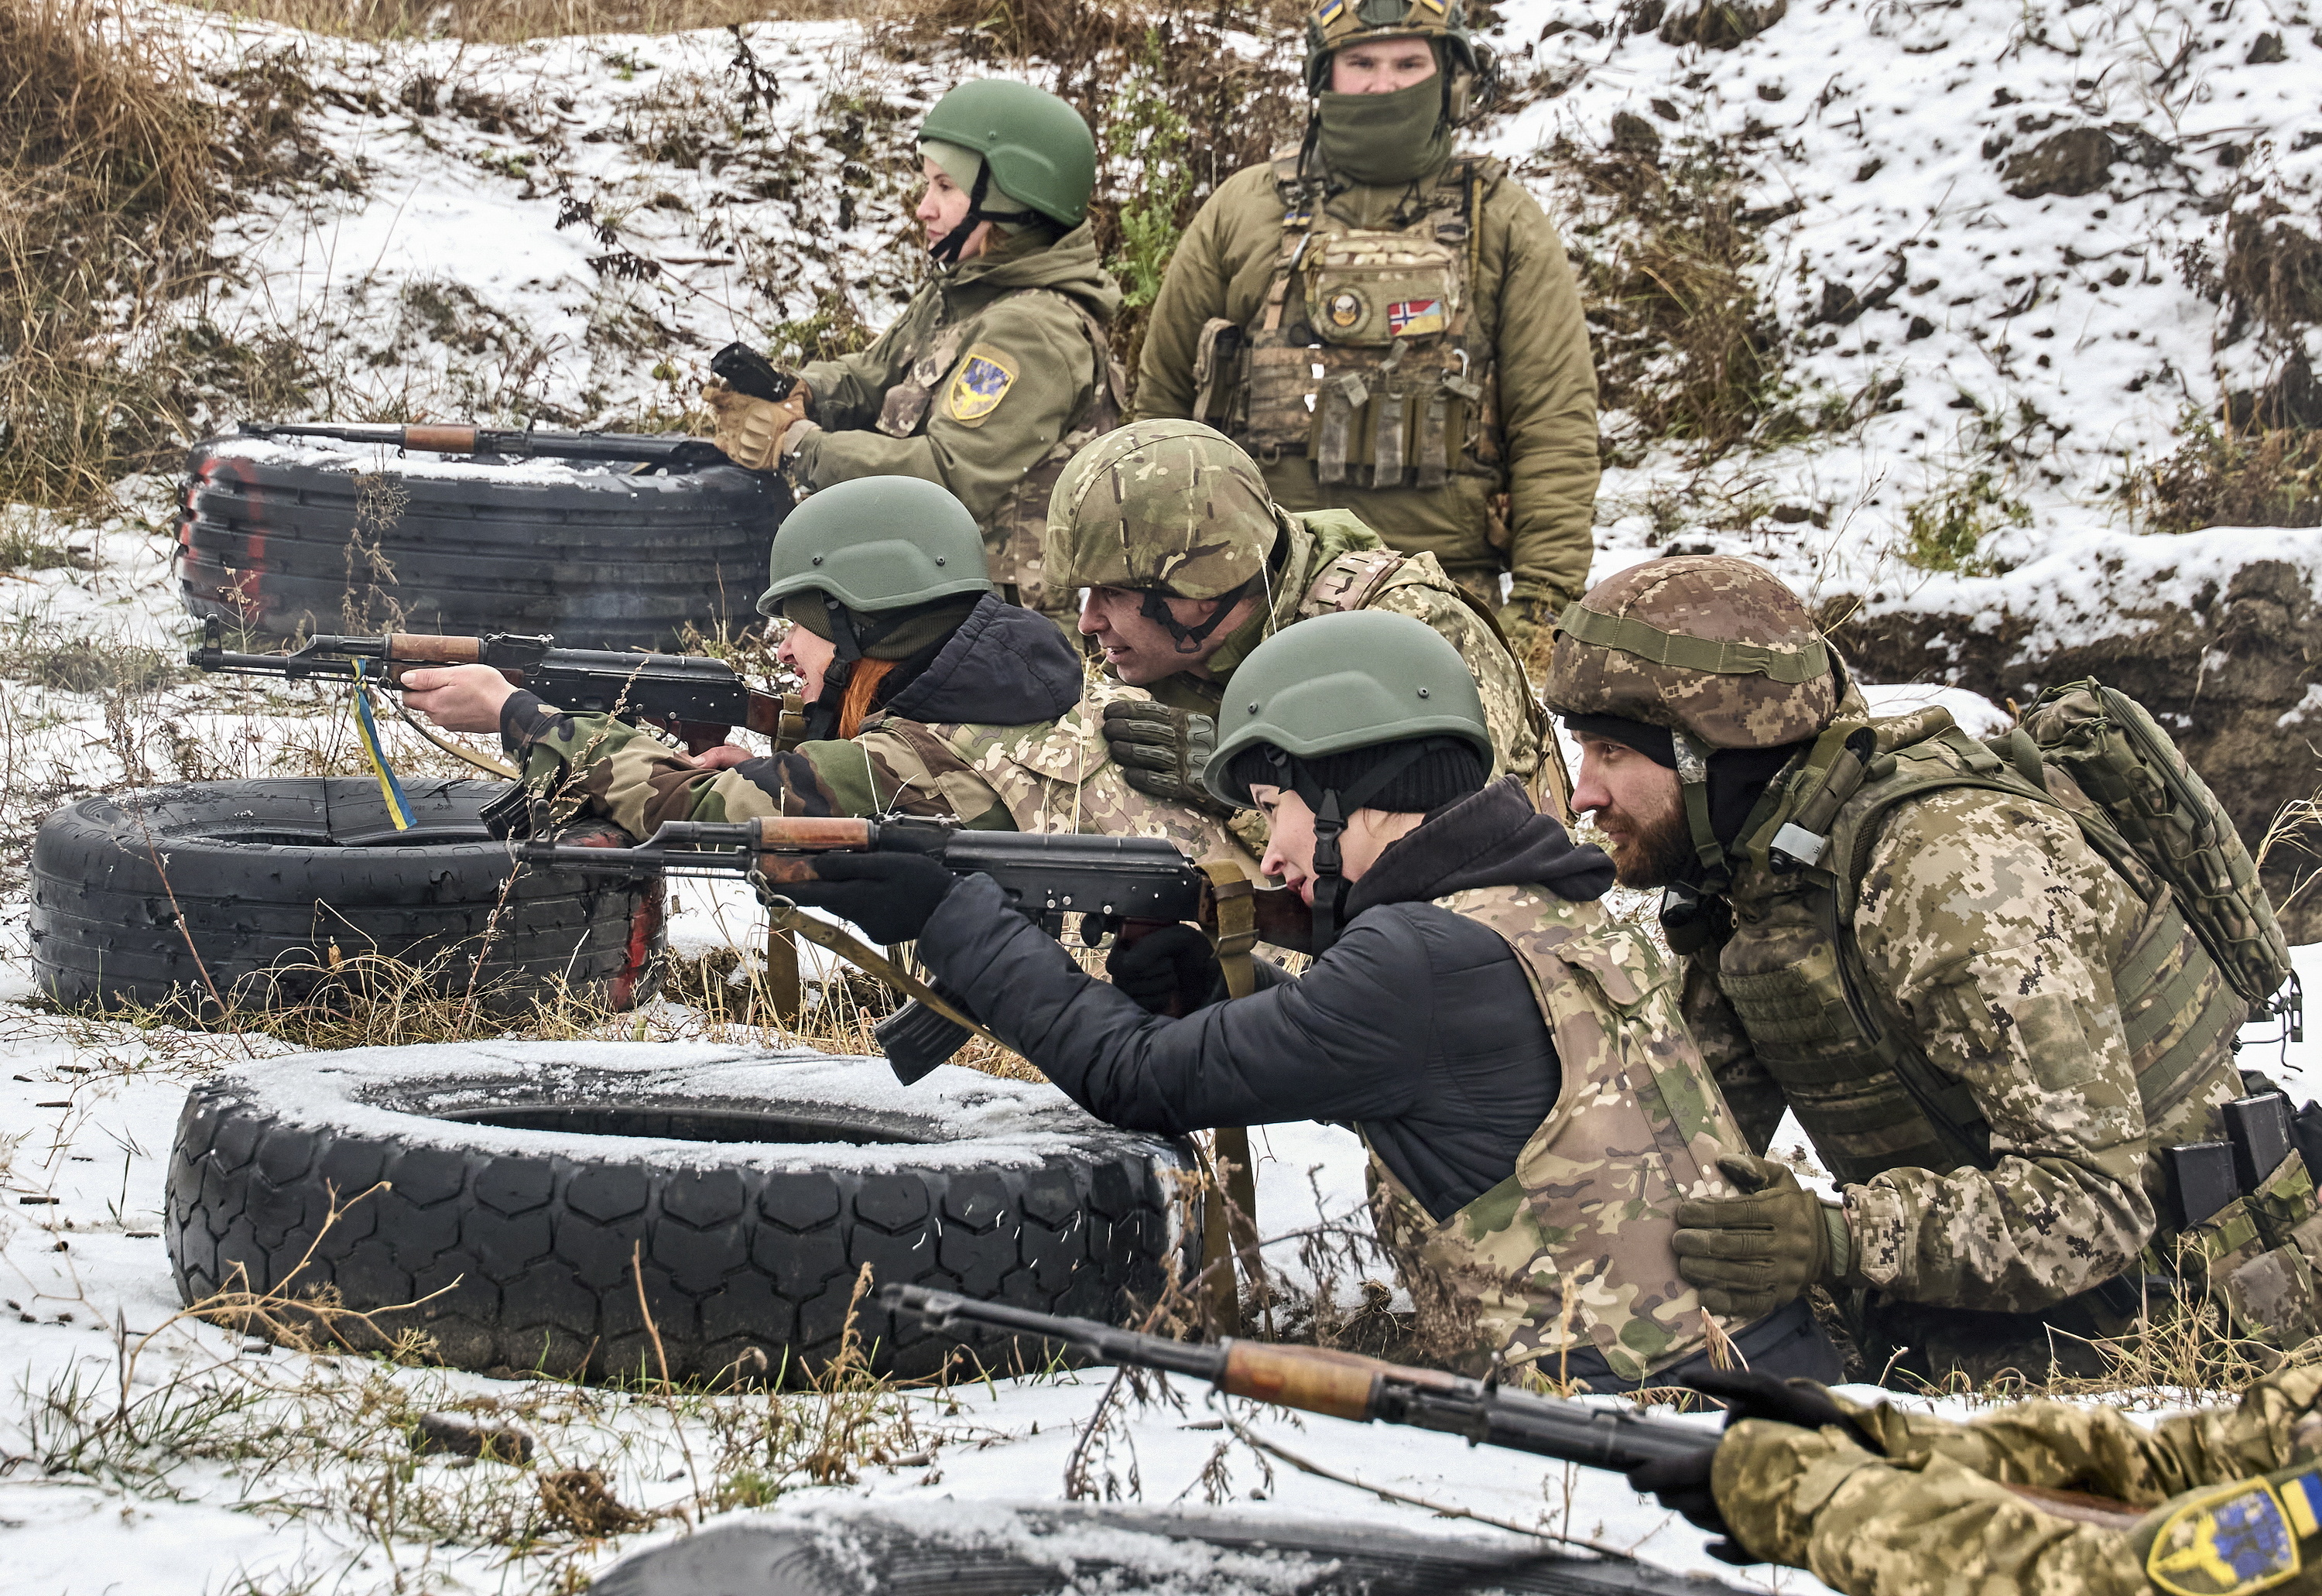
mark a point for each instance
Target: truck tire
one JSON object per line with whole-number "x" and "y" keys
{"x": 945, "y": 1548}
{"x": 284, "y": 540}
{"x": 517, "y": 1181}
{"x": 266, "y": 881}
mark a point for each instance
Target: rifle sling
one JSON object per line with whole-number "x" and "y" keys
{"x": 787, "y": 915}
{"x": 1234, "y": 911}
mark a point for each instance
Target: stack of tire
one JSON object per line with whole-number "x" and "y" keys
{"x": 285, "y": 538}
{"x": 263, "y": 894}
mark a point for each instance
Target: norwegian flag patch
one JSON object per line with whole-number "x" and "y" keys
{"x": 1410, "y": 318}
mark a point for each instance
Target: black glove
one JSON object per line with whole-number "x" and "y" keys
{"x": 891, "y": 896}
{"x": 1161, "y": 750}
{"x": 1682, "y": 1483}
{"x": 1171, "y": 971}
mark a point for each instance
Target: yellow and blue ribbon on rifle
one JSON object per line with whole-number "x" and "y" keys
{"x": 398, "y": 807}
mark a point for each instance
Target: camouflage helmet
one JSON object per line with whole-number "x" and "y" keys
{"x": 1334, "y": 23}
{"x": 1160, "y": 506}
{"x": 1336, "y": 683}
{"x": 877, "y": 543}
{"x": 1037, "y": 150}
{"x": 1708, "y": 645}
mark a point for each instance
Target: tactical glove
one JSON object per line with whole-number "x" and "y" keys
{"x": 750, "y": 430}
{"x": 1528, "y": 619}
{"x": 1748, "y": 1256}
{"x": 891, "y": 896}
{"x": 1682, "y": 1484}
{"x": 1172, "y": 971}
{"x": 1161, "y": 750}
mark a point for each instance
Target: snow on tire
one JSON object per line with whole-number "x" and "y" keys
{"x": 512, "y": 1184}
{"x": 288, "y": 539}
{"x": 158, "y": 892}
{"x": 927, "y": 1547}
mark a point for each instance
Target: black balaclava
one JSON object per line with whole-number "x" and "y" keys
{"x": 906, "y": 634}
{"x": 1406, "y": 778}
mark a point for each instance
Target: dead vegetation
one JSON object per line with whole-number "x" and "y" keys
{"x": 2222, "y": 475}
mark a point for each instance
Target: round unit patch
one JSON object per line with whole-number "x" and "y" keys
{"x": 1346, "y": 308}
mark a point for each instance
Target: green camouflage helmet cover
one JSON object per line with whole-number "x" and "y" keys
{"x": 1164, "y": 506}
{"x": 1706, "y": 645}
{"x": 877, "y": 543}
{"x": 1336, "y": 683}
{"x": 1037, "y": 149}
{"x": 1334, "y": 23}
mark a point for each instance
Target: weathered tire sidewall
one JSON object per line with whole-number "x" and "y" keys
{"x": 937, "y": 1548}
{"x": 748, "y": 1250}
{"x": 282, "y": 537}
{"x": 146, "y": 895}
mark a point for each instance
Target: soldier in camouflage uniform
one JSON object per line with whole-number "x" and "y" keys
{"x": 1985, "y": 1028}
{"x": 1000, "y": 366}
{"x": 1190, "y": 566}
{"x": 1389, "y": 326}
{"x": 1512, "y": 1057}
{"x": 1876, "y": 1501}
{"x": 927, "y": 695}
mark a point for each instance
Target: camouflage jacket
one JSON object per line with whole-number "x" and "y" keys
{"x": 1047, "y": 776}
{"x": 1572, "y": 1250}
{"x": 1524, "y": 326}
{"x": 994, "y": 373}
{"x": 1987, "y": 933}
{"x": 1332, "y": 562}
{"x": 2231, "y": 1497}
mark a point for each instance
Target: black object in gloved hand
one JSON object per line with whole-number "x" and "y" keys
{"x": 1682, "y": 1483}
{"x": 891, "y": 896}
{"x": 1161, "y": 750}
{"x": 1171, "y": 971}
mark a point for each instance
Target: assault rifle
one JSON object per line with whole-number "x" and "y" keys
{"x": 1348, "y": 1385}
{"x": 739, "y": 367}
{"x": 1128, "y": 885}
{"x": 693, "y": 697}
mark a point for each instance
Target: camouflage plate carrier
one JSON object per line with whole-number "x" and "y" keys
{"x": 1375, "y": 384}
{"x": 1011, "y": 537}
{"x": 1872, "y": 1101}
{"x": 1573, "y": 1249}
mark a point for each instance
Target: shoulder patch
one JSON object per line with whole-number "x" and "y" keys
{"x": 2226, "y": 1544}
{"x": 982, "y": 382}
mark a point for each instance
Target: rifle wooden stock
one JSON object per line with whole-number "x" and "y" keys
{"x": 441, "y": 439}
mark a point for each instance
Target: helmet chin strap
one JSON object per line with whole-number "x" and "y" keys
{"x": 1189, "y": 639}
{"x": 822, "y": 715}
{"x": 1331, "y": 805}
{"x": 945, "y": 249}
{"x": 1689, "y": 909}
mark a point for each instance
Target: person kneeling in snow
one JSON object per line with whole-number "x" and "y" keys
{"x": 1512, "y": 1057}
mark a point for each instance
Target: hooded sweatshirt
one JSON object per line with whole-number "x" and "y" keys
{"x": 1418, "y": 1025}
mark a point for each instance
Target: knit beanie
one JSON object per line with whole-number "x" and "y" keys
{"x": 1446, "y": 768}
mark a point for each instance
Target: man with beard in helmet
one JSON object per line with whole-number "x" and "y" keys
{"x": 1190, "y": 565}
{"x": 926, "y": 694}
{"x": 1986, "y": 1029}
{"x": 1000, "y": 366}
{"x": 1510, "y": 1055}
{"x": 1390, "y": 327}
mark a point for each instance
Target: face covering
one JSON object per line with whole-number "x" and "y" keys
{"x": 1382, "y": 140}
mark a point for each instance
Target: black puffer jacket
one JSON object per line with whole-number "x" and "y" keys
{"x": 1418, "y": 1026}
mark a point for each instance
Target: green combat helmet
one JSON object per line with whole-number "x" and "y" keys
{"x": 1036, "y": 151}
{"x": 1337, "y": 684}
{"x": 1172, "y": 510}
{"x": 881, "y": 567}
{"x": 1335, "y": 23}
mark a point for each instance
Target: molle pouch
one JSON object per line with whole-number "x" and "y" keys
{"x": 2283, "y": 1202}
{"x": 1217, "y": 374}
{"x": 1368, "y": 289}
{"x": 1284, "y": 392}
{"x": 2267, "y": 1292}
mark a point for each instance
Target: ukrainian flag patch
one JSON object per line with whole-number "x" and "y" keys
{"x": 2301, "y": 1498}
{"x": 2236, "y": 1543}
{"x": 1332, "y": 11}
{"x": 982, "y": 382}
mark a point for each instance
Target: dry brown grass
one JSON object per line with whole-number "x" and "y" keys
{"x": 2221, "y": 475}
{"x": 502, "y": 22}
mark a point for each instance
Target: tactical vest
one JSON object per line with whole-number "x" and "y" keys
{"x": 1012, "y": 533}
{"x": 1870, "y": 1100}
{"x": 1057, "y": 777}
{"x": 1367, "y": 372}
{"x": 1573, "y": 1251}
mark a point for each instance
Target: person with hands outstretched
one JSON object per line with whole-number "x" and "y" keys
{"x": 1512, "y": 1058}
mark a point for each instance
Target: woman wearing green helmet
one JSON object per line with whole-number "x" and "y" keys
{"x": 1513, "y": 1059}
{"x": 1000, "y": 366}
{"x": 925, "y": 694}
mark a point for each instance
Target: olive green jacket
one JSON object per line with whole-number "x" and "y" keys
{"x": 1526, "y": 309}
{"x": 1021, "y": 372}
